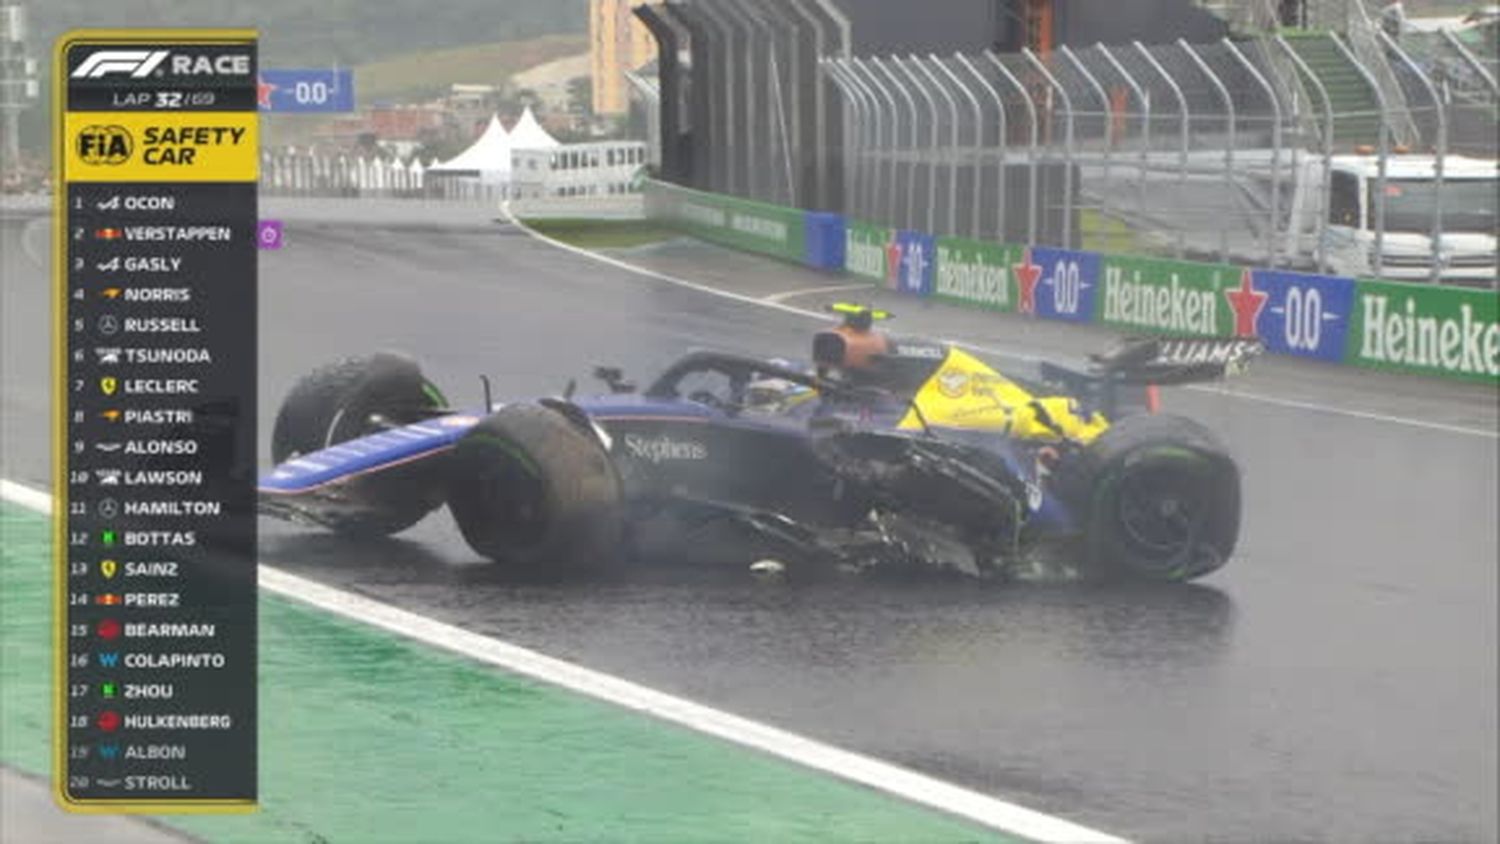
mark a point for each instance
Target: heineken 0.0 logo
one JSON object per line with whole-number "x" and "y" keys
{"x": 974, "y": 273}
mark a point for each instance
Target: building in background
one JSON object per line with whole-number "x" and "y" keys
{"x": 617, "y": 42}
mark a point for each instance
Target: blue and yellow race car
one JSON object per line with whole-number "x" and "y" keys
{"x": 879, "y": 454}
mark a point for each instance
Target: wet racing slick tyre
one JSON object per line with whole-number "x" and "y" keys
{"x": 353, "y": 398}
{"x": 1162, "y": 500}
{"x": 530, "y": 489}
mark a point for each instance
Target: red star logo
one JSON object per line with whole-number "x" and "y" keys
{"x": 1247, "y": 303}
{"x": 108, "y": 629}
{"x": 893, "y": 263}
{"x": 263, "y": 91}
{"x": 1027, "y": 276}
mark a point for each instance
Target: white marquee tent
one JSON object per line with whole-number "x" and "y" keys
{"x": 488, "y": 158}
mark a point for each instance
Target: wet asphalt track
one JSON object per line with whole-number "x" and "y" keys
{"x": 1336, "y": 682}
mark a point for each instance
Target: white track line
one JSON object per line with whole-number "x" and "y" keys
{"x": 864, "y": 770}
{"x": 1018, "y": 354}
{"x": 808, "y": 291}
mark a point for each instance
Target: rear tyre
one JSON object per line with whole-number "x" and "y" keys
{"x": 1162, "y": 498}
{"x": 353, "y": 398}
{"x": 530, "y": 489}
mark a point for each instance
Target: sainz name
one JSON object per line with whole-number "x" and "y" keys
{"x": 179, "y": 144}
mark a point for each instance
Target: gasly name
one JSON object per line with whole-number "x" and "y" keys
{"x": 1169, "y": 307}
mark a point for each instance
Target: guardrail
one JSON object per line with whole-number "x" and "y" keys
{"x": 1419, "y": 328}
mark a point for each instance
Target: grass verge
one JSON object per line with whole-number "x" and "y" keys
{"x": 589, "y": 233}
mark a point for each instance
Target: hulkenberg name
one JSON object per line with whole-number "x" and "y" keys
{"x": 178, "y": 721}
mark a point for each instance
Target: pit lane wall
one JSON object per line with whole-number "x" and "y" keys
{"x": 1449, "y": 332}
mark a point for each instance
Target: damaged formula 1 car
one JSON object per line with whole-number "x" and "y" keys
{"x": 881, "y": 454}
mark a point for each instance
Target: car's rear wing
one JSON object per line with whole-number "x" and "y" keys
{"x": 1150, "y": 362}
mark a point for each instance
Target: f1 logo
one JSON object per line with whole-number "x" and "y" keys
{"x": 137, "y": 63}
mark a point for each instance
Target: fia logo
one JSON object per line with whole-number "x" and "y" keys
{"x": 104, "y": 145}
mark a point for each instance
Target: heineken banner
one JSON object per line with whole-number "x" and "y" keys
{"x": 1061, "y": 283}
{"x": 739, "y": 223}
{"x": 970, "y": 272}
{"x": 865, "y": 249}
{"x": 1428, "y": 329}
{"x": 911, "y": 262}
{"x": 1450, "y": 331}
{"x": 1155, "y": 296}
{"x": 1295, "y": 313}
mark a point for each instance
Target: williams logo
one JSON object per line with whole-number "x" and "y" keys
{"x": 136, "y": 64}
{"x": 657, "y": 449}
{"x": 104, "y": 145}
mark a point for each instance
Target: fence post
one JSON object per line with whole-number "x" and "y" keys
{"x": 978, "y": 141}
{"x": 1442, "y": 153}
{"x": 909, "y": 221}
{"x": 725, "y": 35}
{"x": 999, "y": 146}
{"x": 877, "y": 109}
{"x": 1273, "y": 244}
{"x": 885, "y": 94}
{"x": 1109, "y": 140}
{"x": 1328, "y": 141}
{"x": 853, "y": 113}
{"x": 1472, "y": 61}
{"x": 1223, "y": 92}
{"x": 932, "y": 112}
{"x": 953, "y": 165}
{"x": 1140, "y": 96}
{"x": 1031, "y": 145}
{"x": 1385, "y": 152}
{"x": 1184, "y": 119}
{"x": 1067, "y": 103}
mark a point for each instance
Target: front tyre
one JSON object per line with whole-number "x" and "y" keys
{"x": 529, "y": 488}
{"x": 1162, "y": 498}
{"x": 352, "y": 398}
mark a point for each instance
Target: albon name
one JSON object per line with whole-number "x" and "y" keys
{"x": 160, "y": 386}
{"x": 175, "y": 538}
{"x": 186, "y": 234}
{"x": 162, "y": 325}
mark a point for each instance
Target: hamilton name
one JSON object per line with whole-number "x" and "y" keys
{"x": 175, "y": 507}
{"x": 162, "y": 325}
{"x": 186, "y": 234}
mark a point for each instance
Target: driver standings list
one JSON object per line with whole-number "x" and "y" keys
{"x": 156, "y": 543}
